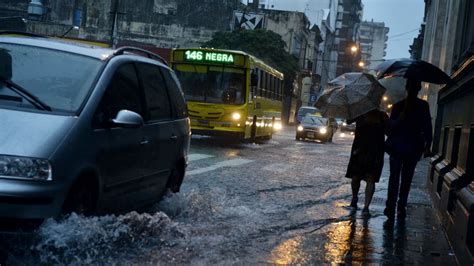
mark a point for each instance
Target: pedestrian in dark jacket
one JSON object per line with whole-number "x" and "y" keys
{"x": 410, "y": 135}
{"x": 367, "y": 155}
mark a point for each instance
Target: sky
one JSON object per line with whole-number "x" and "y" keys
{"x": 403, "y": 17}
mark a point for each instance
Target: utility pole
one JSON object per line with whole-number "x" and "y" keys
{"x": 115, "y": 13}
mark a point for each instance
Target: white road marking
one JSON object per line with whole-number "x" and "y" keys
{"x": 277, "y": 167}
{"x": 198, "y": 156}
{"x": 317, "y": 151}
{"x": 324, "y": 172}
{"x": 227, "y": 163}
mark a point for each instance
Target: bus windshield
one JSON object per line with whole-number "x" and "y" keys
{"x": 212, "y": 84}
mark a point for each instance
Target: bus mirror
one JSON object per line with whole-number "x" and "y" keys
{"x": 253, "y": 80}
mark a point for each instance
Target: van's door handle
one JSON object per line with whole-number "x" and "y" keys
{"x": 144, "y": 142}
{"x": 174, "y": 138}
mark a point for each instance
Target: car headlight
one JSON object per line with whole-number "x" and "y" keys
{"x": 25, "y": 168}
{"x": 300, "y": 128}
{"x": 236, "y": 116}
{"x": 323, "y": 130}
{"x": 277, "y": 126}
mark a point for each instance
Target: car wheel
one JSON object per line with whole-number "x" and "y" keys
{"x": 82, "y": 199}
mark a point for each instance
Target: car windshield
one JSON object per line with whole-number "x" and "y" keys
{"x": 313, "y": 120}
{"x": 303, "y": 111}
{"x": 212, "y": 84}
{"x": 59, "y": 79}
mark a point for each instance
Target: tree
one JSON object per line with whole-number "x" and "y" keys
{"x": 266, "y": 45}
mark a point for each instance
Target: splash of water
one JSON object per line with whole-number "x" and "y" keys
{"x": 80, "y": 240}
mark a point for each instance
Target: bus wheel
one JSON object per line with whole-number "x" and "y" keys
{"x": 253, "y": 129}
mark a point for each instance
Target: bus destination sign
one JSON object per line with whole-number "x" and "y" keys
{"x": 209, "y": 56}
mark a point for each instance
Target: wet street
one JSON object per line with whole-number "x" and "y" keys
{"x": 279, "y": 202}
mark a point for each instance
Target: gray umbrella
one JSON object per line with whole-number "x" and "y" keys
{"x": 350, "y": 95}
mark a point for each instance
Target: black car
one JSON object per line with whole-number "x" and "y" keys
{"x": 345, "y": 127}
{"x": 315, "y": 127}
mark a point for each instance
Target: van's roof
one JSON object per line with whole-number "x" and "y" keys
{"x": 60, "y": 45}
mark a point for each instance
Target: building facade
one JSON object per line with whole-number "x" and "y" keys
{"x": 325, "y": 14}
{"x": 320, "y": 61}
{"x": 372, "y": 40}
{"x": 448, "y": 42}
{"x": 162, "y": 23}
{"x": 348, "y": 20}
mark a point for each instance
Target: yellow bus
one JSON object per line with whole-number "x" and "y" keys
{"x": 229, "y": 93}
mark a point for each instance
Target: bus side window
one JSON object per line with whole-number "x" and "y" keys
{"x": 259, "y": 74}
{"x": 277, "y": 97}
{"x": 273, "y": 88}
{"x": 282, "y": 89}
{"x": 269, "y": 86}
{"x": 253, "y": 83}
{"x": 263, "y": 84}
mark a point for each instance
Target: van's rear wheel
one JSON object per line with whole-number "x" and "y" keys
{"x": 176, "y": 178}
{"x": 82, "y": 199}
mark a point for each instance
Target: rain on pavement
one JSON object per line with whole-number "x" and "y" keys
{"x": 278, "y": 202}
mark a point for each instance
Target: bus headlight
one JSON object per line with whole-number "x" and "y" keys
{"x": 300, "y": 128}
{"x": 277, "y": 126}
{"x": 236, "y": 116}
{"x": 323, "y": 130}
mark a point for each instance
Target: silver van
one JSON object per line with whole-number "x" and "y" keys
{"x": 86, "y": 129}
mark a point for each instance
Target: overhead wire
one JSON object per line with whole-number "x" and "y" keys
{"x": 403, "y": 33}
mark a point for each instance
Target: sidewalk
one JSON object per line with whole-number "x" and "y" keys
{"x": 420, "y": 240}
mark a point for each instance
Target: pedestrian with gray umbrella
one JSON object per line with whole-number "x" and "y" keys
{"x": 356, "y": 97}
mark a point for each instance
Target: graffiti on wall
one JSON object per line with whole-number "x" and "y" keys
{"x": 249, "y": 21}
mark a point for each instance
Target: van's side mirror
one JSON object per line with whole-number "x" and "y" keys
{"x": 253, "y": 80}
{"x": 128, "y": 119}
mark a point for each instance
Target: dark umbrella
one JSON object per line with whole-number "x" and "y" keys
{"x": 412, "y": 69}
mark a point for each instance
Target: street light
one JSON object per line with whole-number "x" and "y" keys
{"x": 361, "y": 64}
{"x": 385, "y": 98}
{"x": 354, "y": 49}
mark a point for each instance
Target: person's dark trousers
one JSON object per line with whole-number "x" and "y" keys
{"x": 404, "y": 168}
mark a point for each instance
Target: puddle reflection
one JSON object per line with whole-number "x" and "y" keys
{"x": 288, "y": 252}
{"x": 349, "y": 241}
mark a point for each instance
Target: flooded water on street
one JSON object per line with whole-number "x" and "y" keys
{"x": 279, "y": 202}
